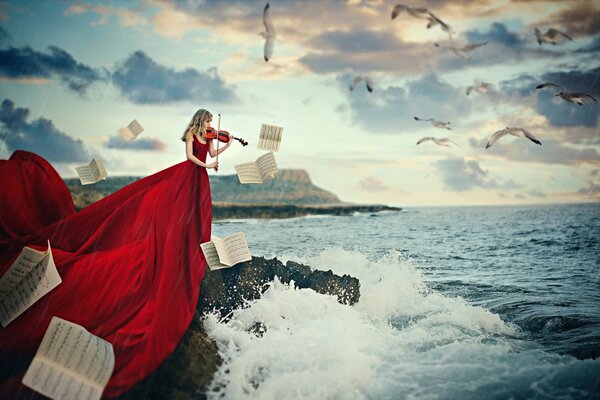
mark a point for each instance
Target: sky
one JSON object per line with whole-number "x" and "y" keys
{"x": 73, "y": 72}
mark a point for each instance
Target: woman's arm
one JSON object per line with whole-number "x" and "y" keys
{"x": 189, "y": 152}
{"x": 213, "y": 152}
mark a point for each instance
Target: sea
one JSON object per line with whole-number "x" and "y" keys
{"x": 498, "y": 302}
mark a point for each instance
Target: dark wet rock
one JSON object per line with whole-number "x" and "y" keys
{"x": 186, "y": 374}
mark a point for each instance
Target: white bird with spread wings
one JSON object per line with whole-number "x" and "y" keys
{"x": 435, "y": 123}
{"x": 444, "y": 142}
{"x": 269, "y": 34}
{"x": 462, "y": 51}
{"x": 515, "y": 131}
{"x": 422, "y": 13}
{"x": 552, "y": 36}
{"x": 572, "y": 97}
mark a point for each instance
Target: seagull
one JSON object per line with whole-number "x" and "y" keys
{"x": 269, "y": 33}
{"x": 436, "y": 123}
{"x": 445, "y": 142}
{"x": 434, "y": 20}
{"x": 551, "y": 36}
{"x": 482, "y": 88}
{"x": 358, "y": 78}
{"x": 518, "y": 132}
{"x": 462, "y": 51}
{"x": 422, "y": 13}
{"x": 417, "y": 12}
{"x": 571, "y": 97}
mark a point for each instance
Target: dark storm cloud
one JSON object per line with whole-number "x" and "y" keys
{"x": 559, "y": 112}
{"x": 460, "y": 175}
{"x": 148, "y": 144}
{"x": 144, "y": 81}
{"x": 26, "y": 62}
{"x": 39, "y": 136}
{"x": 498, "y": 33}
{"x": 583, "y": 19}
{"x": 550, "y": 152}
{"x": 391, "y": 110}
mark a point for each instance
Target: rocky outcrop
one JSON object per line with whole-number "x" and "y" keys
{"x": 239, "y": 211}
{"x": 186, "y": 374}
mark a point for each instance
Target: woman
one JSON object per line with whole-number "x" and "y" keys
{"x": 131, "y": 264}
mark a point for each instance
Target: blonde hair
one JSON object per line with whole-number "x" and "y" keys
{"x": 195, "y": 125}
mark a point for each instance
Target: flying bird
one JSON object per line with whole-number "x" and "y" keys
{"x": 445, "y": 142}
{"x": 434, "y": 20}
{"x": 422, "y": 13}
{"x": 482, "y": 88}
{"x": 572, "y": 97}
{"x": 358, "y": 78}
{"x": 462, "y": 51}
{"x": 552, "y": 36}
{"x": 269, "y": 34}
{"x": 515, "y": 131}
{"x": 417, "y": 12}
{"x": 435, "y": 123}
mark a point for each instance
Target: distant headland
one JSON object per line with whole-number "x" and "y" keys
{"x": 292, "y": 194}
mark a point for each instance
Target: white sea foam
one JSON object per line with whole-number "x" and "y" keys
{"x": 401, "y": 340}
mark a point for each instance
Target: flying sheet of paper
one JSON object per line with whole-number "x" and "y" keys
{"x": 91, "y": 173}
{"x": 270, "y": 137}
{"x": 131, "y": 131}
{"x": 71, "y": 363}
{"x": 227, "y": 252}
{"x": 31, "y": 276}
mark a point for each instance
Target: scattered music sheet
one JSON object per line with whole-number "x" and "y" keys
{"x": 131, "y": 131}
{"x": 257, "y": 171}
{"x": 270, "y": 137}
{"x": 91, "y": 173}
{"x": 226, "y": 252}
{"x": 71, "y": 363}
{"x": 31, "y": 276}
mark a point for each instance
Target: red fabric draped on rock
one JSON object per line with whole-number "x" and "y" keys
{"x": 131, "y": 264}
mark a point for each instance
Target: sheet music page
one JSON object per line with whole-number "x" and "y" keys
{"x": 40, "y": 280}
{"x": 248, "y": 173}
{"x": 23, "y": 265}
{"x": 237, "y": 248}
{"x": 98, "y": 170}
{"x": 70, "y": 360}
{"x": 211, "y": 256}
{"x": 267, "y": 166}
{"x": 269, "y": 137}
{"x": 85, "y": 174}
{"x": 221, "y": 248}
{"x": 131, "y": 131}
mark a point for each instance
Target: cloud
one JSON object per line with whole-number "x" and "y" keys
{"x": 591, "y": 190}
{"x": 581, "y": 20}
{"x": 149, "y": 144}
{"x": 460, "y": 175}
{"x": 559, "y": 112}
{"x": 498, "y": 33}
{"x": 39, "y": 136}
{"x": 390, "y": 110}
{"x": 373, "y": 184}
{"x": 551, "y": 152}
{"x": 18, "y": 63}
{"x": 144, "y": 81}
{"x": 537, "y": 193}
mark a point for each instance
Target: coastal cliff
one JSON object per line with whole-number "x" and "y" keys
{"x": 291, "y": 194}
{"x": 187, "y": 372}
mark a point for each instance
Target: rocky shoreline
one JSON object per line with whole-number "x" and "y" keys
{"x": 260, "y": 211}
{"x": 188, "y": 371}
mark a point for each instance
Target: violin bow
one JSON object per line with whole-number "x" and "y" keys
{"x": 218, "y": 130}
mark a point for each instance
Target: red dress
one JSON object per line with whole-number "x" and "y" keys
{"x": 131, "y": 264}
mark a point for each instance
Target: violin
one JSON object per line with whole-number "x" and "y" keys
{"x": 211, "y": 133}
